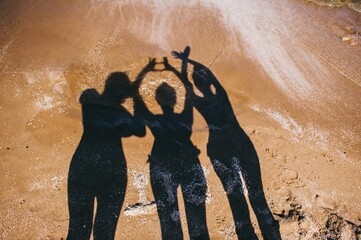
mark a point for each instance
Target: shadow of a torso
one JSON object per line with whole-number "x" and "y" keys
{"x": 172, "y": 144}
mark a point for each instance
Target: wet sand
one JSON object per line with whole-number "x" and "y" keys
{"x": 290, "y": 68}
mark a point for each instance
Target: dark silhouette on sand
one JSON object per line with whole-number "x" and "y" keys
{"x": 231, "y": 153}
{"x": 98, "y": 168}
{"x": 174, "y": 161}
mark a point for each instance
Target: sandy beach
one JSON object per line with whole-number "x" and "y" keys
{"x": 291, "y": 70}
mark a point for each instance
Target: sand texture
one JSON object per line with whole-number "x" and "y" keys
{"x": 292, "y": 72}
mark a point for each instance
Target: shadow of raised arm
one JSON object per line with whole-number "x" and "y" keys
{"x": 140, "y": 109}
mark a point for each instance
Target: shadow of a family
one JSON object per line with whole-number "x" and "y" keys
{"x": 98, "y": 168}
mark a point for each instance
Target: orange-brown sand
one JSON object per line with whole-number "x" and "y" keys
{"x": 291, "y": 70}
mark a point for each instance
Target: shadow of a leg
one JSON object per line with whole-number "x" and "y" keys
{"x": 109, "y": 205}
{"x": 252, "y": 176}
{"x": 232, "y": 184}
{"x": 81, "y": 207}
{"x": 165, "y": 193}
{"x": 194, "y": 189}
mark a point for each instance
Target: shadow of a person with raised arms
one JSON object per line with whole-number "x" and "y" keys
{"x": 231, "y": 152}
{"x": 174, "y": 162}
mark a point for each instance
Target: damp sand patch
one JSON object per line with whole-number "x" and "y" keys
{"x": 353, "y": 4}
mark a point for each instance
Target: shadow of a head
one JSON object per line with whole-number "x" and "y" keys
{"x": 89, "y": 96}
{"x": 202, "y": 78}
{"x": 166, "y": 96}
{"x": 117, "y": 87}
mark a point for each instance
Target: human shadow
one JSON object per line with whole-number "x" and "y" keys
{"x": 174, "y": 161}
{"x": 232, "y": 154}
{"x": 98, "y": 168}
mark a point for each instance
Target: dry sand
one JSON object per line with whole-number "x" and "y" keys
{"x": 292, "y": 70}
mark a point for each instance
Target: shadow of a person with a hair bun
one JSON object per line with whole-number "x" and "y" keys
{"x": 98, "y": 168}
